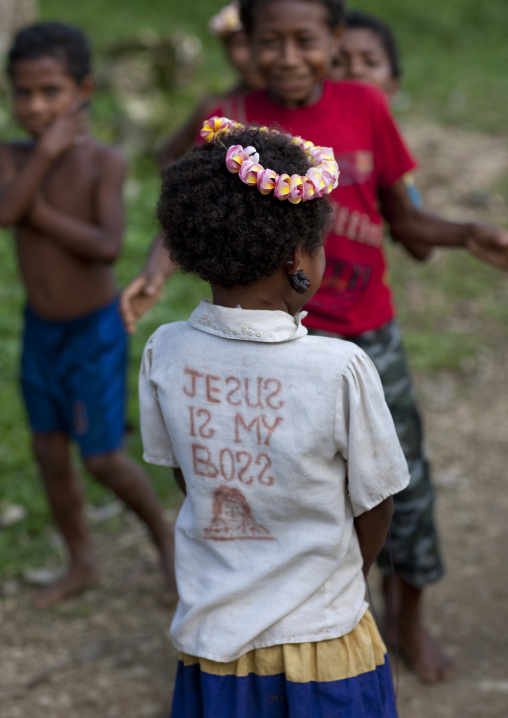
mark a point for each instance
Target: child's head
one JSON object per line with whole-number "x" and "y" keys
{"x": 227, "y": 232}
{"x": 293, "y": 44}
{"x": 49, "y": 66}
{"x": 368, "y": 52}
{"x": 227, "y": 26}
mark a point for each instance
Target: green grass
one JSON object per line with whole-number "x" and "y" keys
{"x": 452, "y": 310}
{"x": 455, "y": 56}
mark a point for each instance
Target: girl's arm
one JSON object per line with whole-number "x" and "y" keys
{"x": 184, "y": 138}
{"x": 178, "y": 475}
{"x": 372, "y": 529}
{"x": 409, "y": 224}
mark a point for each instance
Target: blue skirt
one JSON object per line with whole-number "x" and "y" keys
{"x": 347, "y": 677}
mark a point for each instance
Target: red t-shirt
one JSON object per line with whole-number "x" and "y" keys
{"x": 355, "y": 120}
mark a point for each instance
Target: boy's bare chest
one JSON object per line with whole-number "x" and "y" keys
{"x": 70, "y": 183}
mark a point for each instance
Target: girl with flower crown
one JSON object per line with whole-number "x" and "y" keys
{"x": 281, "y": 441}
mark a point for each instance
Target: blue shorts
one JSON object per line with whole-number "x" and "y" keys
{"x": 73, "y": 376}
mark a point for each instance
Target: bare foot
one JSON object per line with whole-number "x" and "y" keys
{"x": 425, "y": 657}
{"x": 77, "y": 580}
{"x": 421, "y": 652}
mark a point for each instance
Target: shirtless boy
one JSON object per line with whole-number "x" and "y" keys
{"x": 61, "y": 192}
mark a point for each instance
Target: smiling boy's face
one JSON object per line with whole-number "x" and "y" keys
{"x": 363, "y": 57}
{"x": 293, "y": 46}
{"x": 42, "y": 90}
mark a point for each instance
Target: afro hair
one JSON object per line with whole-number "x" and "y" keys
{"x": 52, "y": 39}
{"x": 227, "y": 232}
{"x": 335, "y": 9}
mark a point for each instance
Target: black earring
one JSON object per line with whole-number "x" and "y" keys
{"x": 299, "y": 281}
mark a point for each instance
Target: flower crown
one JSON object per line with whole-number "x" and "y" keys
{"x": 321, "y": 178}
{"x": 226, "y": 21}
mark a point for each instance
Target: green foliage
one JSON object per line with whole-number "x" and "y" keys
{"x": 454, "y": 54}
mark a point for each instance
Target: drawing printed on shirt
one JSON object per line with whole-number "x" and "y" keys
{"x": 355, "y": 167}
{"x": 232, "y": 518}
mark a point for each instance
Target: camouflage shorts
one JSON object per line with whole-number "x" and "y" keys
{"x": 414, "y": 539}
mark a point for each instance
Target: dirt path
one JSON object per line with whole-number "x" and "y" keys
{"x": 107, "y": 654}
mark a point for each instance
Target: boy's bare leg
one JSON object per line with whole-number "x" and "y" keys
{"x": 130, "y": 483}
{"x": 419, "y": 649}
{"x": 65, "y": 496}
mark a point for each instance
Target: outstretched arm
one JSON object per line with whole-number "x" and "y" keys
{"x": 19, "y": 188}
{"x": 102, "y": 240}
{"x": 184, "y": 138}
{"x": 372, "y": 529}
{"x": 418, "y": 251}
{"x": 145, "y": 289}
{"x": 409, "y": 224}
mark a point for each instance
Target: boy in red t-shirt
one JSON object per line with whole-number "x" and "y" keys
{"x": 293, "y": 42}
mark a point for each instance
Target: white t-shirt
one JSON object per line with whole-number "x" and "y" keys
{"x": 282, "y": 439}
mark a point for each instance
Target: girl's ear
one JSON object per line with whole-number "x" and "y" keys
{"x": 294, "y": 261}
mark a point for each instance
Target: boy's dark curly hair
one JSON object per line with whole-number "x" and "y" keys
{"x": 52, "y": 39}
{"x": 225, "y": 231}
{"x": 248, "y": 8}
{"x": 363, "y": 21}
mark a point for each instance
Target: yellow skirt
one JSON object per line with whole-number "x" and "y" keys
{"x": 346, "y": 677}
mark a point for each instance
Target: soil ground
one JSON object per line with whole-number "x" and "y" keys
{"x": 107, "y": 653}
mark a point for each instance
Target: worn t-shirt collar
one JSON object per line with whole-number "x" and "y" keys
{"x": 252, "y": 325}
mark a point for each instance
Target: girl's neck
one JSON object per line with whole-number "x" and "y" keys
{"x": 264, "y": 294}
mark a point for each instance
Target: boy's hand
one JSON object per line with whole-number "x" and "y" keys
{"x": 138, "y": 297}
{"x": 490, "y": 244}
{"x": 35, "y": 209}
{"x": 68, "y": 130}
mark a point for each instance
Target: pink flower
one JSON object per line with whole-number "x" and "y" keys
{"x": 214, "y": 126}
{"x": 237, "y": 155}
{"x": 328, "y": 182}
{"x": 282, "y": 186}
{"x": 249, "y": 172}
{"x": 316, "y": 177}
{"x": 331, "y": 170}
{"x": 323, "y": 154}
{"x": 295, "y": 189}
{"x": 251, "y": 153}
{"x": 234, "y": 158}
{"x": 308, "y": 189}
{"x": 266, "y": 181}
